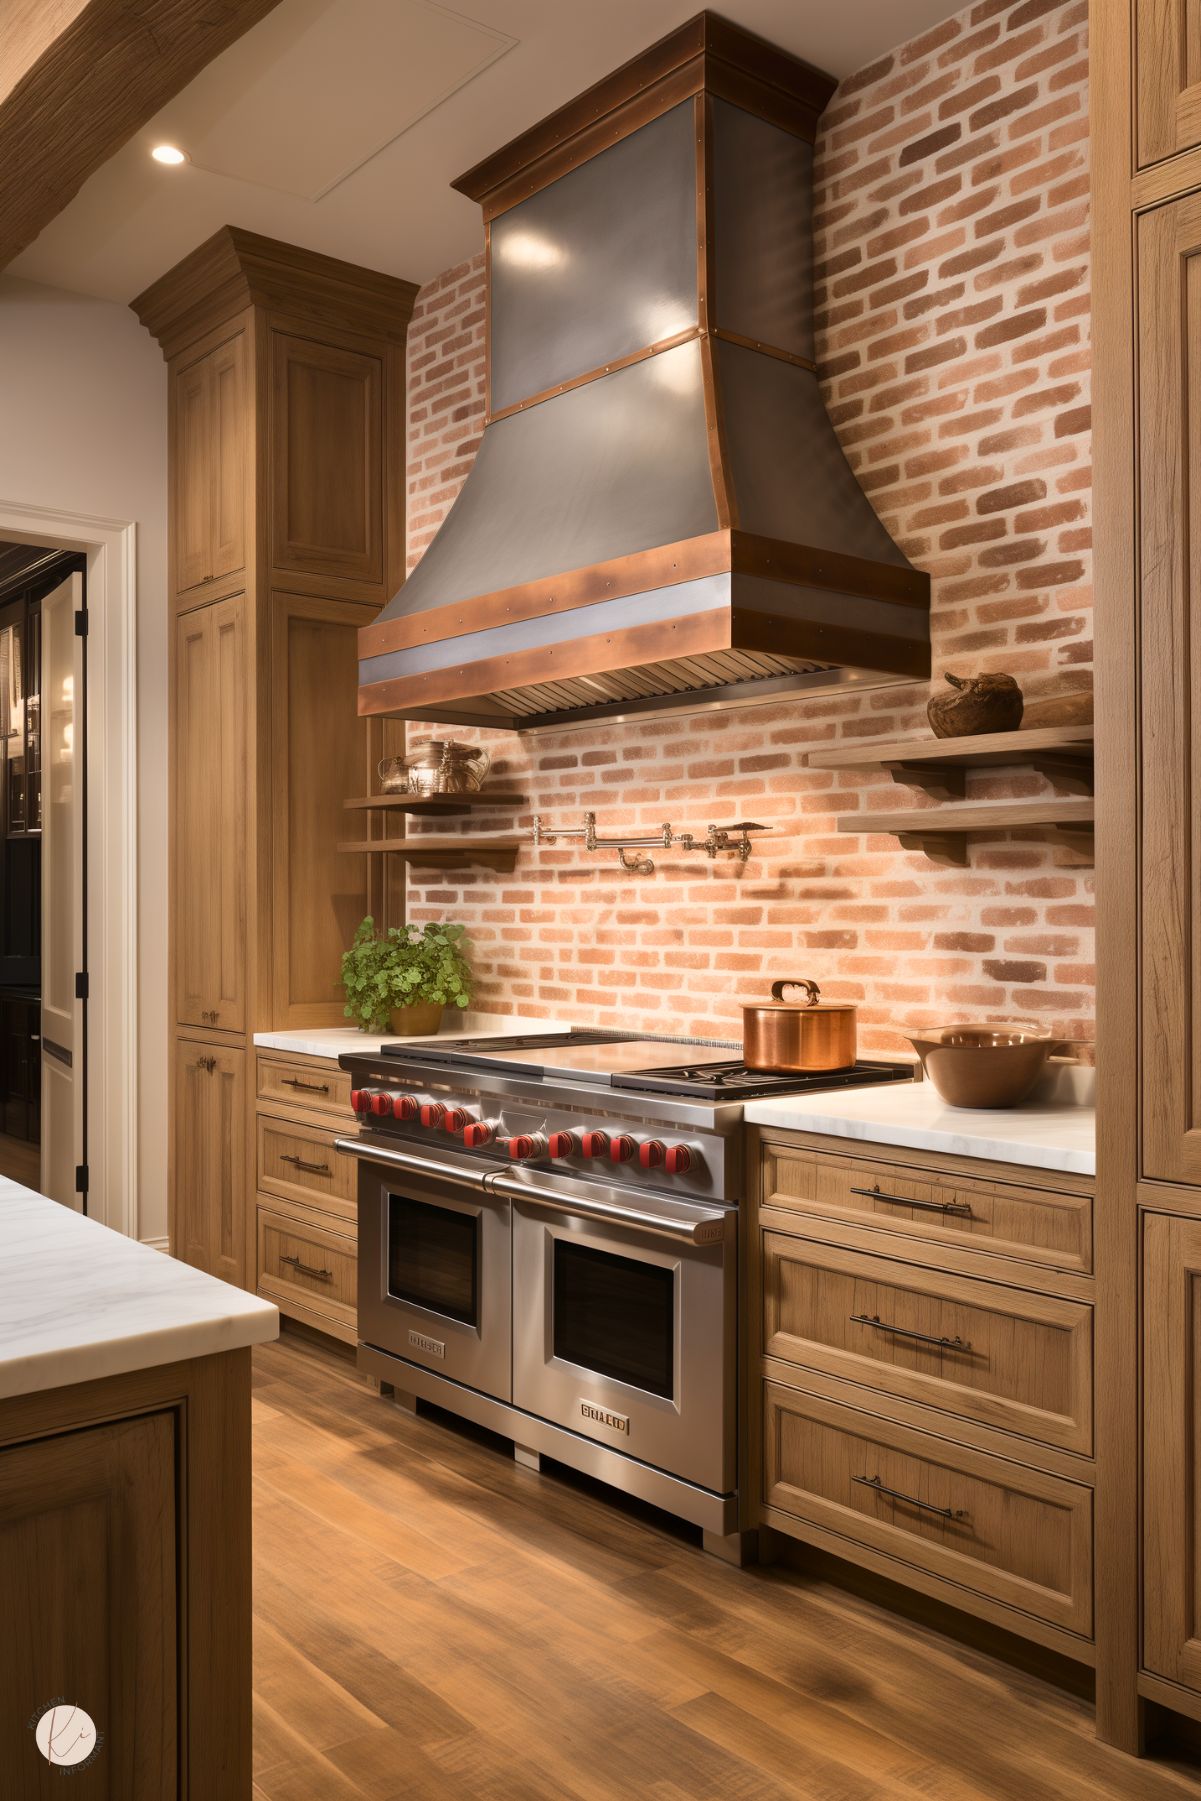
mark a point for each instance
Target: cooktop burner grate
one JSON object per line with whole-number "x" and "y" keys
{"x": 734, "y": 1081}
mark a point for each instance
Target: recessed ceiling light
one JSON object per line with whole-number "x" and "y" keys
{"x": 168, "y": 153}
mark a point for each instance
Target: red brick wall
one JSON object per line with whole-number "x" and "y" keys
{"x": 953, "y": 326}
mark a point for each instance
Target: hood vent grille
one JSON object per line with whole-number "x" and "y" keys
{"x": 659, "y": 515}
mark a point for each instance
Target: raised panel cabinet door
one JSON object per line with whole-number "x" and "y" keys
{"x": 209, "y": 1169}
{"x": 210, "y": 850}
{"x": 319, "y": 757}
{"x": 1172, "y": 1448}
{"x": 191, "y": 473}
{"x": 326, "y": 460}
{"x": 230, "y": 456}
{"x": 1169, "y": 508}
{"x": 1167, "y": 41}
{"x": 88, "y": 1576}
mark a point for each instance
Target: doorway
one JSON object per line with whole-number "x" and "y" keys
{"x": 43, "y": 976}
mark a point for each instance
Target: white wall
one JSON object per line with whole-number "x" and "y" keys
{"x": 83, "y": 427}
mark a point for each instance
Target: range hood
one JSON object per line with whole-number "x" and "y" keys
{"x": 659, "y": 515}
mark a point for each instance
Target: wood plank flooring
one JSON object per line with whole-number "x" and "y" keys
{"x": 436, "y": 1623}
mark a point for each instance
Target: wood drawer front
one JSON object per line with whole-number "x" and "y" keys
{"x": 1018, "y": 1536}
{"x": 1023, "y": 1361}
{"x": 1030, "y": 1224}
{"x": 300, "y": 1164}
{"x": 316, "y": 1087}
{"x": 309, "y": 1266}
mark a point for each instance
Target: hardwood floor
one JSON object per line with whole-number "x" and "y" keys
{"x": 21, "y": 1161}
{"x": 434, "y": 1622}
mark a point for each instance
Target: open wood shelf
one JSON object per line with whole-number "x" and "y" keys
{"x": 445, "y": 849}
{"x": 1064, "y": 753}
{"x": 435, "y": 805}
{"x": 942, "y": 832}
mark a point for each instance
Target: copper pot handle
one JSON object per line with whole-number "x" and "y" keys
{"x": 812, "y": 991}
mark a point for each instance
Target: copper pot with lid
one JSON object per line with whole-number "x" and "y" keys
{"x": 790, "y": 1037}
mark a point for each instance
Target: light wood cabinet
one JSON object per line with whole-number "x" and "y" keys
{"x": 1168, "y": 78}
{"x": 210, "y": 850}
{"x": 210, "y": 464}
{"x": 1172, "y": 1448}
{"x": 287, "y": 476}
{"x": 318, "y": 894}
{"x": 209, "y": 1227}
{"x": 1169, "y": 278}
{"x": 918, "y": 1373}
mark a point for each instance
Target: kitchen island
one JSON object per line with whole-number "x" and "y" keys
{"x": 125, "y": 1506}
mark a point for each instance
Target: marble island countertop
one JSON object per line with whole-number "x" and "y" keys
{"x": 78, "y": 1301}
{"x": 1041, "y": 1135}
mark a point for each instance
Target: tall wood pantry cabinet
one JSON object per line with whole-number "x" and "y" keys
{"x": 1146, "y": 176}
{"x": 286, "y": 430}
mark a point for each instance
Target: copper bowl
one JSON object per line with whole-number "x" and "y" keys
{"x": 983, "y": 1065}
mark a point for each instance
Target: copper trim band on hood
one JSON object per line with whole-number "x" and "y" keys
{"x": 691, "y": 635}
{"x": 666, "y": 565}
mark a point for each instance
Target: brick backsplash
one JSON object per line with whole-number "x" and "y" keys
{"x": 953, "y": 337}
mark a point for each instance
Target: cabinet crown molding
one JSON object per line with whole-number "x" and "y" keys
{"x": 235, "y": 269}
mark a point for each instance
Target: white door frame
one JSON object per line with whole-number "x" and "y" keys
{"x": 112, "y": 844}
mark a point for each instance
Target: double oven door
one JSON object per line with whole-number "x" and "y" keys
{"x": 436, "y": 1273}
{"x": 609, "y": 1315}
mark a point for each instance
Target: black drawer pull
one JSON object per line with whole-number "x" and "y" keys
{"x": 308, "y": 1269}
{"x": 895, "y": 1494}
{"x": 310, "y": 1169}
{"x": 880, "y": 1325}
{"x": 308, "y": 1087}
{"x": 904, "y": 1200}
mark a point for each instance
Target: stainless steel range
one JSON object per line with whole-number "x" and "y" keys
{"x": 548, "y": 1246}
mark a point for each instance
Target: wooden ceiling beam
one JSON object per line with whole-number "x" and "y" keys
{"x": 79, "y": 77}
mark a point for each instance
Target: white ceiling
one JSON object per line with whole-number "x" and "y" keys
{"x": 338, "y": 125}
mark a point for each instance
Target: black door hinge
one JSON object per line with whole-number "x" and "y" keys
{"x": 81, "y": 623}
{"x": 81, "y": 984}
{"x": 81, "y": 1178}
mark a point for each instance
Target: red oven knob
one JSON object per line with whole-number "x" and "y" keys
{"x": 404, "y": 1106}
{"x": 622, "y": 1148}
{"x": 650, "y": 1153}
{"x": 594, "y": 1144}
{"x": 478, "y": 1133}
{"x": 526, "y": 1144}
{"x": 677, "y": 1160}
{"x": 360, "y": 1099}
{"x": 381, "y": 1102}
{"x": 432, "y": 1113}
{"x": 456, "y": 1119}
{"x": 562, "y": 1144}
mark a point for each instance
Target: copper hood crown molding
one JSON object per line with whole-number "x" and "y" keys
{"x": 659, "y": 515}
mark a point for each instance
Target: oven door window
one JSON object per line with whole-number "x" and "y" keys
{"x": 615, "y": 1316}
{"x": 433, "y": 1257}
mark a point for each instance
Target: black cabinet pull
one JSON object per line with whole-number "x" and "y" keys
{"x": 880, "y": 1325}
{"x": 308, "y": 1087}
{"x": 896, "y": 1494}
{"x": 877, "y": 1193}
{"x": 310, "y": 1169}
{"x": 308, "y": 1269}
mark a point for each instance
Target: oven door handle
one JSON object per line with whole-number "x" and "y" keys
{"x": 705, "y": 1227}
{"x": 413, "y": 1164}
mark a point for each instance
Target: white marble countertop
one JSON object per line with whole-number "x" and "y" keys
{"x": 78, "y": 1301}
{"x": 339, "y": 1041}
{"x": 1040, "y": 1135}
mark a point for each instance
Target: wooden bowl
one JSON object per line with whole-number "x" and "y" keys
{"x": 988, "y": 1065}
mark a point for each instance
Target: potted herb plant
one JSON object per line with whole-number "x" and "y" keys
{"x": 403, "y": 980}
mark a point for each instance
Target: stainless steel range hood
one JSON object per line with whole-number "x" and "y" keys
{"x": 659, "y": 515}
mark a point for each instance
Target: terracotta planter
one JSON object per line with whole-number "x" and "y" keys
{"x": 421, "y": 1020}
